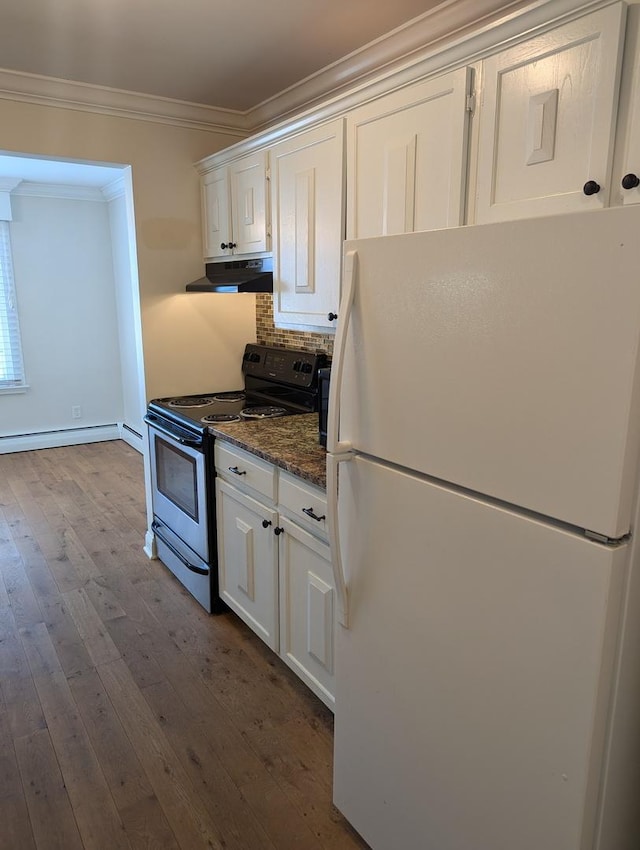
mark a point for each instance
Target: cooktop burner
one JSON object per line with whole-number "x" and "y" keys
{"x": 189, "y": 401}
{"x": 262, "y": 411}
{"x": 234, "y": 395}
{"x": 220, "y": 417}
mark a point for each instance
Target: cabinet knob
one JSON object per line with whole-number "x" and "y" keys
{"x": 332, "y": 316}
{"x": 233, "y": 244}
{"x": 630, "y": 181}
{"x": 225, "y": 245}
{"x": 266, "y": 523}
{"x": 591, "y": 187}
{"x": 278, "y": 531}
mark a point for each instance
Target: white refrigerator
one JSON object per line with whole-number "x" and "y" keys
{"x": 484, "y": 428}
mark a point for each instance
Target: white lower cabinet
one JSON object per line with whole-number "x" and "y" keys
{"x": 274, "y": 562}
{"x": 248, "y": 560}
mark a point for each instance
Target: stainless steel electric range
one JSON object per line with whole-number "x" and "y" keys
{"x": 277, "y": 382}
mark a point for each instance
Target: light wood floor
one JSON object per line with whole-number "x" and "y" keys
{"x": 129, "y": 718}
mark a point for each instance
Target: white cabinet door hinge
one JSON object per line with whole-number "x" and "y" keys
{"x": 470, "y": 105}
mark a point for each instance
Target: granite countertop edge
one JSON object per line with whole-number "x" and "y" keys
{"x": 289, "y": 442}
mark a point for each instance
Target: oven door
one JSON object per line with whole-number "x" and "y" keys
{"x": 179, "y": 484}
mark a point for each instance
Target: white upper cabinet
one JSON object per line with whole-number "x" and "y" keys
{"x": 547, "y": 120}
{"x": 407, "y": 158}
{"x": 625, "y": 187}
{"x": 308, "y": 226}
{"x": 235, "y": 207}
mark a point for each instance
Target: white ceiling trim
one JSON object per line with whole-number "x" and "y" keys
{"x": 52, "y": 190}
{"x": 113, "y": 190}
{"x": 49, "y": 91}
{"x": 8, "y": 184}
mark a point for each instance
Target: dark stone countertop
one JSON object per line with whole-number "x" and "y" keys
{"x": 290, "y": 442}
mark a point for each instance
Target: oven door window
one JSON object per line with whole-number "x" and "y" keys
{"x": 177, "y": 477}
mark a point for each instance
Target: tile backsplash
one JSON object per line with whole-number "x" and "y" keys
{"x": 268, "y": 334}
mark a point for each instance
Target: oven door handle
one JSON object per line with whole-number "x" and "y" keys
{"x": 195, "y": 442}
{"x": 155, "y": 527}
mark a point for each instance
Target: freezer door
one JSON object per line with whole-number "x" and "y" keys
{"x": 503, "y": 358}
{"x": 473, "y": 684}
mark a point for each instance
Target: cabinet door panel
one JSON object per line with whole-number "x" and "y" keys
{"x": 248, "y": 194}
{"x": 406, "y": 159}
{"x": 216, "y": 212}
{"x": 307, "y": 604}
{"x": 547, "y": 120}
{"x": 248, "y": 561}
{"x": 308, "y": 224}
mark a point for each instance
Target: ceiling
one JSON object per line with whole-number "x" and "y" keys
{"x": 54, "y": 171}
{"x": 229, "y": 54}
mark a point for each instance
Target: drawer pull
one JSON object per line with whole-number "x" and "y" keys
{"x": 309, "y": 512}
{"x": 237, "y": 471}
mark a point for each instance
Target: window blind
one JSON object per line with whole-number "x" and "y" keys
{"x": 11, "y": 368}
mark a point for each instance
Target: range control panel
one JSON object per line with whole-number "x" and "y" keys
{"x": 298, "y": 368}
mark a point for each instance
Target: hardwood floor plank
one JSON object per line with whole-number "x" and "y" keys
{"x": 236, "y": 821}
{"x": 146, "y": 826}
{"x": 16, "y": 824}
{"x": 10, "y": 782}
{"x": 91, "y": 628}
{"x": 188, "y": 817}
{"x": 94, "y": 810}
{"x": 24, "y": 710}
{"x": 22, "y": 600}
{"x": 13, "y": 661}
{"x": 51, "y": 816}
{"x": 120, "y": 764}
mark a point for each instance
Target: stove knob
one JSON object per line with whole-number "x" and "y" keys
{"x": 297, "y": 366}
{"x": 254, "y": 357}
{"x": 306, "y": 368}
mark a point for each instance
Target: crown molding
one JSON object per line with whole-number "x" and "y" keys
{"x": 450, "y": 20}
{"x": 113, "y": 190}
{"x": 53, "y": 190}
{"x": 83, "y": 97}
{"x": 8, "y": 184}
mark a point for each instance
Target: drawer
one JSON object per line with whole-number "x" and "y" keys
{"x": 245, "y": 470}
{"x": 303, "y": 503}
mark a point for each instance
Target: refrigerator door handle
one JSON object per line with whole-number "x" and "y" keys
{"x": 350, "y": 270}
{"x": 333, "y": 462}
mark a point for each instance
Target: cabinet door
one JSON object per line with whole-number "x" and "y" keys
{"x": 547, "y": 120}
{"x": 308, "y": 226}
{"x": 216, "y": 210}
{"x": 627, "y": 169}
{"x": 307, "y": 606}
{"x": 248, "y": 178}
{"x": 407, "y": 159}
{"x": 248, "y": 560}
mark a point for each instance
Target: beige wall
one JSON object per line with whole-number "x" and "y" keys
{"x": 190, "y": 342}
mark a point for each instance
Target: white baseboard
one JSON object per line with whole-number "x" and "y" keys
{"x": 131, "y": 437}
{"x": 54, "y": 439}
{"x": 149, "y": 547}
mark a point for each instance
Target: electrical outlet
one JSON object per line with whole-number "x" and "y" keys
{"x": 76, "y": 412}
